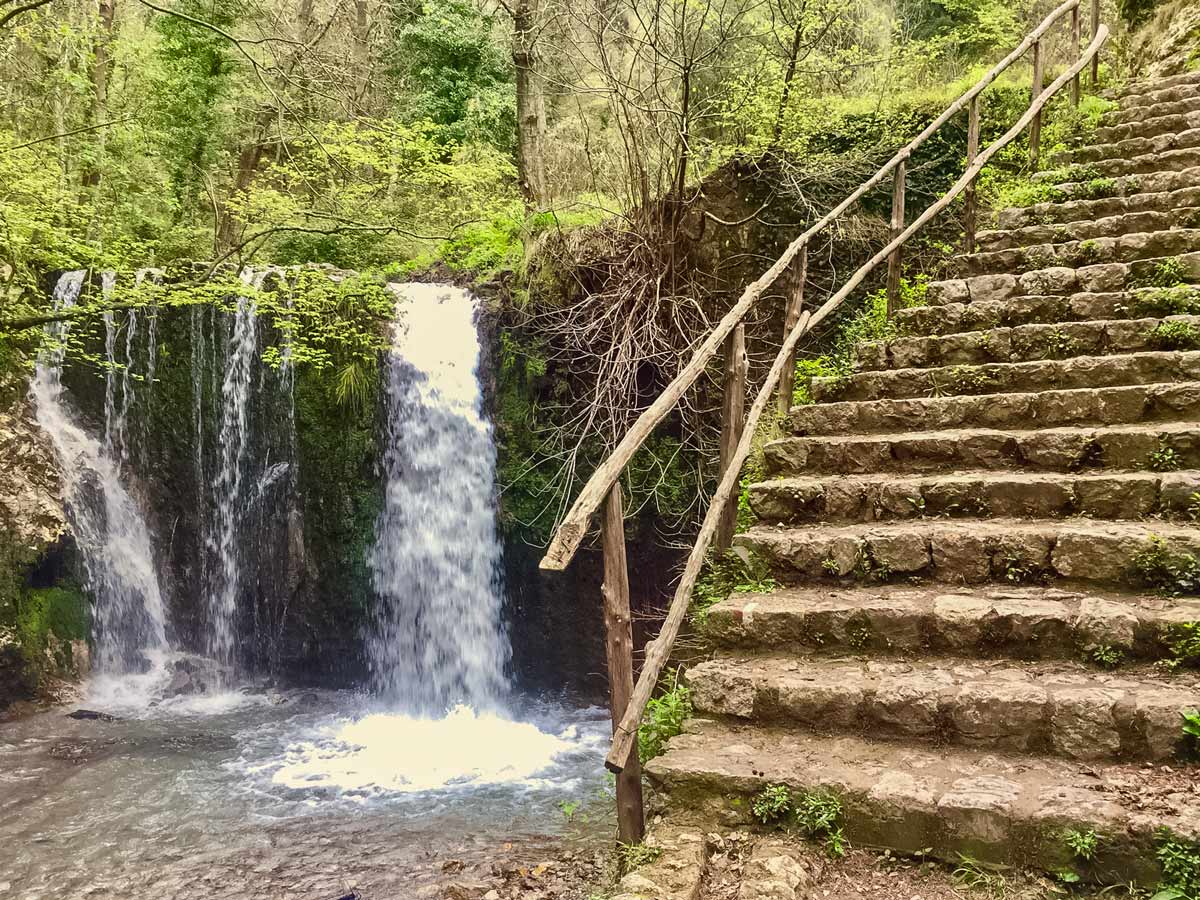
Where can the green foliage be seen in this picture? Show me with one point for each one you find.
(868, 323)
(1167, 273)
(1191, 723)
(1174, 336)
(664, 717)
(62, 612)
(818, 815)
(633, 856)
(1082, 844)
(977, 875)
(1107, 656)
(1180, 863)
(1136, 12)
(1159, 566)
(1183, 643)
(1164, 459)
(772, 804)
(1172, 301)
(733, 572)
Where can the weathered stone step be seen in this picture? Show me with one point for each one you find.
(979, 494)
(1031, 342)
(981, 623)
(1144, 142)
(1161, 199)
(970, 552)
(1178, 160)
(1079, 372)
(938, 802)
(1115, 226)
(1152, 106)
(1043, 449)
(1046, 408)
(1154, 181)
(1173, 123)
(1142, 87)
(1059, 280)
(1022, 310)
(1125, 248)
(1059, 708)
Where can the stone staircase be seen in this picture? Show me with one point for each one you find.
(968, 533)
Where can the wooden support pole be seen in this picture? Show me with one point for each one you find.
(970, 203)
(1035, 127)
(1076, 35)
(791, 317)
(618, 644)
(733, 418)
(1095, 31)
(893, 278)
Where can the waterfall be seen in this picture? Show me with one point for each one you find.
(227, 486)
(437, 639)
(113, 539)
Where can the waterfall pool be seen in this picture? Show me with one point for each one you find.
(304, 794)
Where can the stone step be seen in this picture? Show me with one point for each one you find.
(1129, 223)
(1154, 181)
(1142, 87)
(1022, 310)
(1179, 160)
(981, 623)
(1168, 102)
(1124, 248)
(1143, 142)
(977, 494)
(1059, 708)
(1163, 196)
(938, 802)
(1031, 342)
(972, 552)
(1059, 280)
(1073, 373)
(1042, 449)
(1172, 123)
(1124, 405)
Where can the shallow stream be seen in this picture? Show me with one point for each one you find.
(307, 794)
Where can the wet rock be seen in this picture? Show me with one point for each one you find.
(91, 714)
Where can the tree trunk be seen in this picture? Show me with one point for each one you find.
(777, 133)
(531, 108)
(100, 65)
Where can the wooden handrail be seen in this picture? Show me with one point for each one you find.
(571, 531)
(625, 736)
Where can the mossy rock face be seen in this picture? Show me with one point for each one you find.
(44, 636)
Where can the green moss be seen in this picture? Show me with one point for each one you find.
(62, 612)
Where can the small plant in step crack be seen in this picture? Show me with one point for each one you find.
(568, 808)
(1180, 300)
(1174, 336)
(1180, 864)
(1193, 506)
(1082, 844)
(1183, 645)
(1085, 254)
(1106, 656)
(818, 814)
(1165, 459)
(772, 805)
(969, 380)
(1098, 189)
(1166, 273)
(831, 566)
(1059, 345)
(1037, 258)
(1018, 571)
(665, 715)
(858, 638)
(736, 571)
(1171, 571)
(634, 856)
(971, 873)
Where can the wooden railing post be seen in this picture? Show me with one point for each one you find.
(791, 317)
(893, 279)
(1035, 127)
(1076, 35)
(1095, 31)
(970, 204)
(733, 416)
(618, 643)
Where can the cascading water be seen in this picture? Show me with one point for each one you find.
(112, 537)
(228, 484)
(438, 640)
